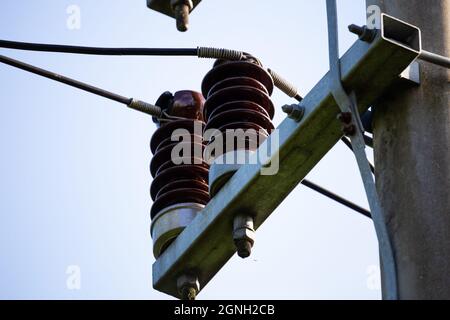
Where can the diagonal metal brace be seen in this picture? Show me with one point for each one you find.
(349, 107)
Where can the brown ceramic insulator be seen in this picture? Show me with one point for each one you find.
(238, 97)
(168, 157)
(167, 190)
(175, 182)
(163, 136)
(187, 104)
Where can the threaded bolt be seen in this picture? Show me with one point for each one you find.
(358, 30)
(188, 293)
(364, 33)
(244, 248)
(188, 286)
(348, 127)
(181, 10)
(182, 16)
(294, 111)
(287, 108)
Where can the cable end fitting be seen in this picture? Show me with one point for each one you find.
(145, 107)
(284, 85)
(220, 53)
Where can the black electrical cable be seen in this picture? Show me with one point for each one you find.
(369, 141)
(98, 51)
(200, 52)
(336, 198)
(65, 80)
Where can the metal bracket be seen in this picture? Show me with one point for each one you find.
(435, 59)
(354, 128)
(411, 75)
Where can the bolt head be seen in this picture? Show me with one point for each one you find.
(365, 34)
(349, 130)
(287, 108)
(345, 117)
(244, 248)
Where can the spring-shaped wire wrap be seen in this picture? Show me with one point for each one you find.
(145, 108)
(238, 97)
(283, 84)
(220, 53)
(176, 183)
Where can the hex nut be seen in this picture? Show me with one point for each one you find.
(244, 235)
(188, 3)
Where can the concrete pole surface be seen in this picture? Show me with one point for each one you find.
(412, 156)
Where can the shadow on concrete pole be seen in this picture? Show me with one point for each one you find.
(412, 155)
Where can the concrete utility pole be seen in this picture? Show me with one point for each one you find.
(412, 156)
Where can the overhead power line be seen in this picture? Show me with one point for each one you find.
(97, 50)
(200, 52)
(130, 102)
(336, 198)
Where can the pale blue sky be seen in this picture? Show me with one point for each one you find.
(74, 178)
